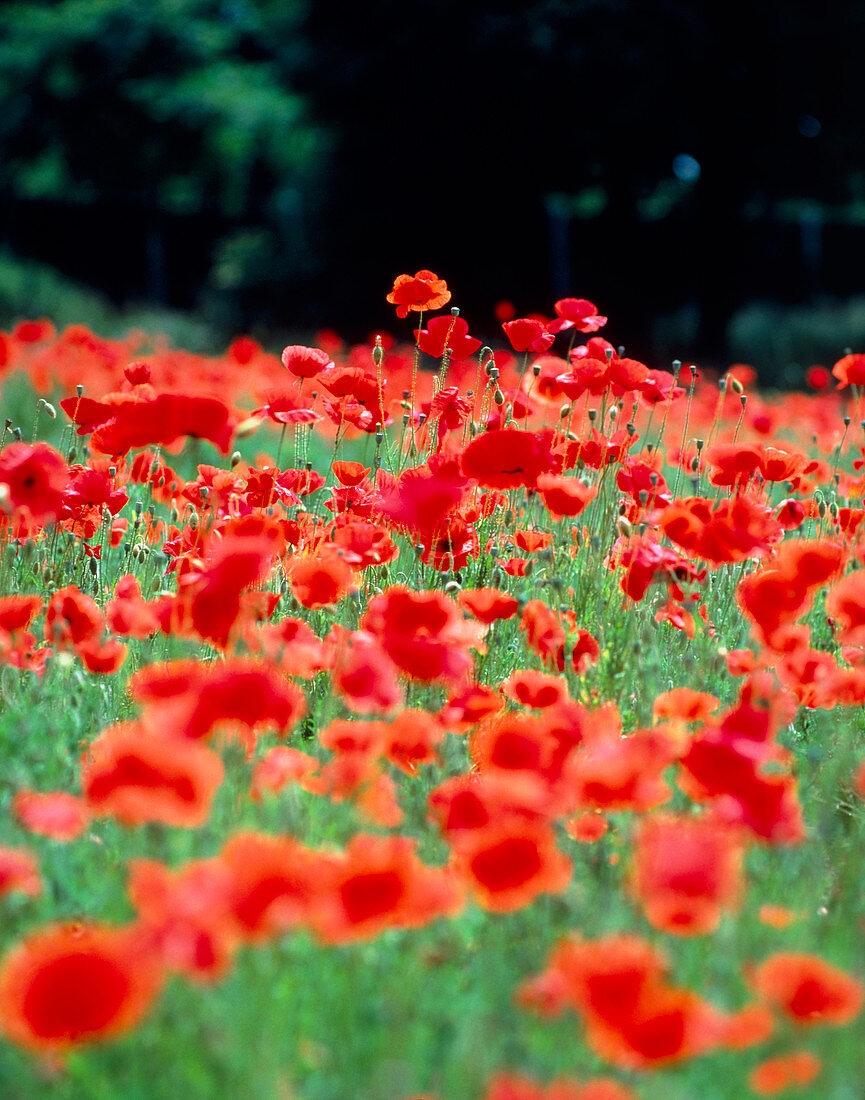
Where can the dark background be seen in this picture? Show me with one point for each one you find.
(696, 170)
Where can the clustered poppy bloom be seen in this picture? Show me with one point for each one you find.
(548, 761)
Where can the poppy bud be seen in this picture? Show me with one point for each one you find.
(593, 415)
(624, 526)
(736, 386)
(48, 407)
(377, 352)
(452, 586)
(536, 369)
(566, 411)
(236, 457)
(499, 398)
(73, 454)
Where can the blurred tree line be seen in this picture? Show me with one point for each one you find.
(277, 162)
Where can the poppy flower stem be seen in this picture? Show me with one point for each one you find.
(685, 431)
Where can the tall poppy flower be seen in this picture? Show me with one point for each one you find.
(70, 984)
(418, 293)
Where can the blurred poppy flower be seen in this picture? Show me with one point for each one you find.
(55, 814)
(137, 777)
(35, 478)
(807, 989)
(66, 985)
(447, 332)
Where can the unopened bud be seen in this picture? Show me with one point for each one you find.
(452, 586)
(50, 411)
(236, 458)
(499, 398)
(624, 526)
(736, 386)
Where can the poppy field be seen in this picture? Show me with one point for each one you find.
(428, 720)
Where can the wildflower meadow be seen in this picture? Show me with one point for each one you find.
(428, 720)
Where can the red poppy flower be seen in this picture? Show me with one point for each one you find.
(72, 984)
(418, 293)
(274, 881)
(850, 371)
(544, 633)
(305, 362)
(775, 1075)
(287, 408)
(488, 604)
(576, 313)
(138, 777)
(508, 458)
(538, 690)
(526, 334)
(320, 579)
(241, 696)
(278, 767)
(424, 634)
(450, 332)
(565, 496)
(19, 872)
(687, 870)
(364, 676)
(508, 866)
(18, 612)
(633, 1017)
(807, 989)
(56, 814)
(185, 914)
(380, 883)
(162, 419)
(586, 652)
(424, 497)
(35, 478)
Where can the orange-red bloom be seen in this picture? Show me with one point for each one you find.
(72, 984)
(807, 989)
(418, 293)
(687, 870)
(776, 1075)
(138, 777)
